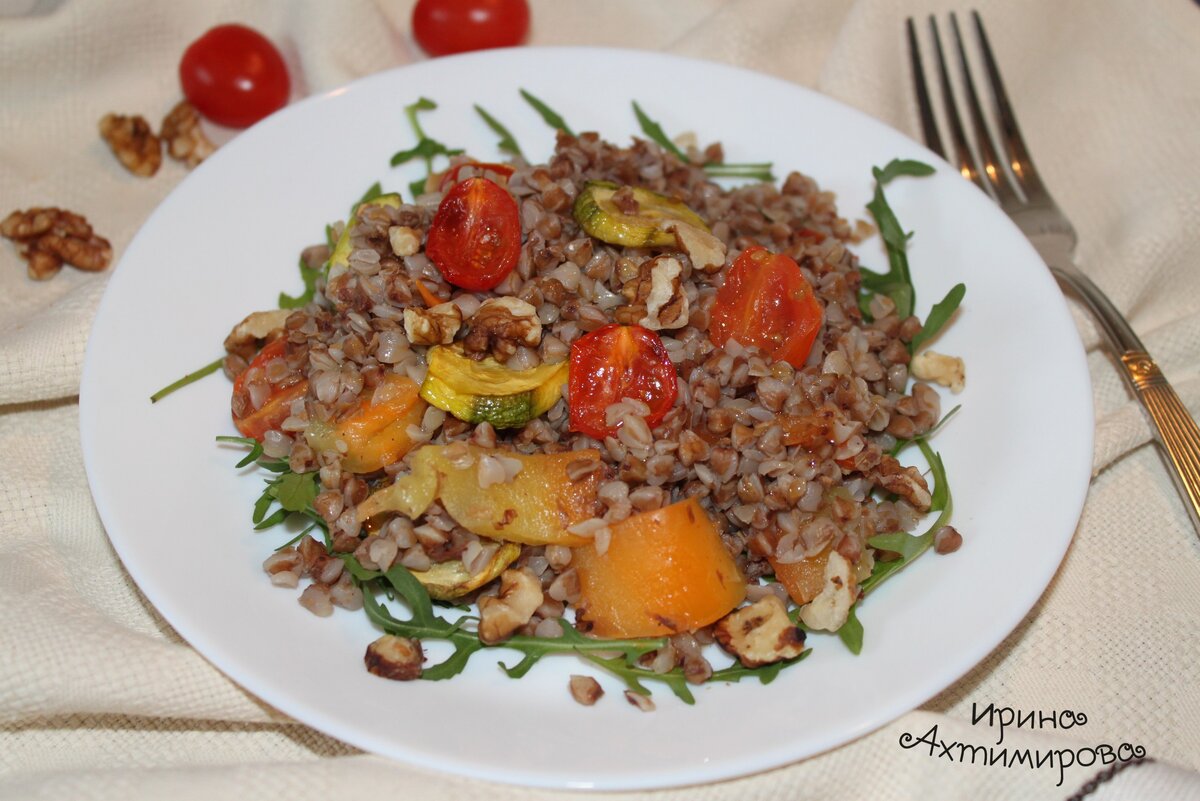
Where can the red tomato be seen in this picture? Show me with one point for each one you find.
(277, 408)
(234, 76)
(615, 362)
(451, 176)
(442, 27)
(475, 236)
(766, 301)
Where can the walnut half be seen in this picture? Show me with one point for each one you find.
(49, 237)
(185, 138)
(520, 596)
(500, 326)
(436, 325)
(133, 143)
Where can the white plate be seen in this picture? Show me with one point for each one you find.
(227, 241)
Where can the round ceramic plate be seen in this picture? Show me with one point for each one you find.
(227, 241)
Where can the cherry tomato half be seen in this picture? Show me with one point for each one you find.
(475, 236)
(766, 301)
(442, 27)
(615, 362)
(450, 176)
(278, 405)
(234, 76)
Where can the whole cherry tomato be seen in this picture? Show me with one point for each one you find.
(615, 362)
(234, 76)
(766, 301)
(442, 27)
(278, 405)
(475, 236)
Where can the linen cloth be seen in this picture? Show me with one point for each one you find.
(100, 699)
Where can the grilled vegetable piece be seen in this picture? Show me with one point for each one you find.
(376, 432)
(651, 225)
(664, 572)
(446, 581)
(535, 505)
(487, 391)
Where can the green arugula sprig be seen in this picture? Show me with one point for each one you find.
(897, 283)
(548, 115)
(507, 143)
(425, 149)
(285, 494)
(907, 546)
(424, 624)
(755, 171)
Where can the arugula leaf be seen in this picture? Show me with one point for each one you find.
(549, 115)
(653, 130)
(898, 167)
(190, 378)
(426, 149)
(759, 171)
(939, 315)
(507, 143)
(896, 283)
(309, 275)
(851, 632)
(910, 546)
(295, 491)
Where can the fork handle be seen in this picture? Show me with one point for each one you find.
(1177, 430)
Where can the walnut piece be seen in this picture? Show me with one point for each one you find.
(706, 252)
(949, 371)
(654, 295)
(49, 237)
(248, 336)
(666, 303)
(500, 326)
(396, 658)
(760, 633)
(133, 143)
(405, 241)
(520, 596)
(829, 610)
(907, 482)
(185, 138)
(586, 690)
(436, 325)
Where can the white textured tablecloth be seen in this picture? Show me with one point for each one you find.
(100, 699)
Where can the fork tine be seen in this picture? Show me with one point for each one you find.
(929, 127)
(993, 170)
(1019, 160)
(966, 162)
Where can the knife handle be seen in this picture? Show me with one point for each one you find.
(1177, 431)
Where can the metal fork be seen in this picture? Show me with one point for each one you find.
(1023, 197)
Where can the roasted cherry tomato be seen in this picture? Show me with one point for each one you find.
(450, 176)
(234, 76)
(766, 301)
(278, 406)
(442, 27)
(475, 236)
(615, 362)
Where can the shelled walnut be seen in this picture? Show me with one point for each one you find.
(49, 237)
